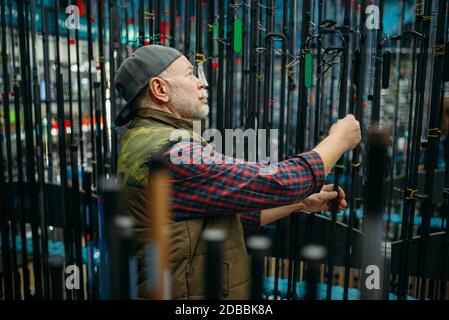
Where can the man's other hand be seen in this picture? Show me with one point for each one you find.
(322, 201)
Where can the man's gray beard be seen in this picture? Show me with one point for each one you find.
(188, 110)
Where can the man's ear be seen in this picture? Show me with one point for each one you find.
(159, 90)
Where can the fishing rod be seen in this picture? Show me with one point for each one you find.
(28, 138)
(66, 213)
(445, 211)
(399, 47)
(25, 52)
(359, 72)
(291, 26)
(4, 225)
(230, 48)
(433, 140)
(20, 181)
(14, 275)
(269, 62)
(114, 51)
(40, 219)
(376, 169)
(173, 24)
(253, 69)
(313, 255)
(375, 115)
(141, 23)
(157, 247)
(214, 239)
(157, 24)
(80, 98)
(318, 84)
(240, 43)
(88, 217)
(212, 27)
(423, 25)
(338, 169)
(113, 245)
(221, 62)
(76, 215)
(258, 247)
(101, 58)
(121, 255)
(149, 15)
(91, 97)
(49, 146)
(69, 78)
(46, 59)
(187, 28)
(302, 106)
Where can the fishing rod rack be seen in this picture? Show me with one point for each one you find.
(296, 66)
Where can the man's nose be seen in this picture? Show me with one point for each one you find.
(202, 84)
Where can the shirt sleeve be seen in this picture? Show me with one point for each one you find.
(205, 182)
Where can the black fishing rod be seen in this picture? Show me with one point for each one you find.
(173, 24)
(56, 266)
(80, 98)
(230, 47)
(445, 211)
(423, 26)
(46, 62)
(214, 238)
(267, 105)
(90, 53)
(20, 179)
(253, 69)
(290, 25)
(396, 116)
(101, 58)
(157, 38)
(258, 247)
(62, 152)
(69, 79)
(318, 85)
(29, 158)
(359, 75)
(76, 215)
(312, 255)
(88, 221)
(9, 268)
(433, 141)
(301, 128)
(375, 115)
(243, 54)
(23, 28)
(141, 23)
(338, 169)
(212, 27)
(221, 63)
(149, 15)
(376, 169)
(40, 219)
(114, 52)
(4, 225)
(187, 28)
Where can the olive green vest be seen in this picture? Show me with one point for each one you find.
(147, 133)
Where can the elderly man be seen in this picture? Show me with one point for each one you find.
(163, 94)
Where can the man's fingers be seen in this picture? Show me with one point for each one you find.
(328, 195)
(341, 192)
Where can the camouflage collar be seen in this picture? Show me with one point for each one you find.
(165, 118)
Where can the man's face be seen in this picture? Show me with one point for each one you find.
(188, 94)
